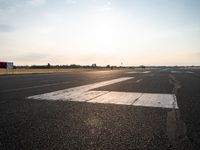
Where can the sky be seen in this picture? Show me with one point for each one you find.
(114, 32)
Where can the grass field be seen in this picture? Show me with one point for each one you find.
(38, 71)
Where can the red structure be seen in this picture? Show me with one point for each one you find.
(6, 65)
(3, 65)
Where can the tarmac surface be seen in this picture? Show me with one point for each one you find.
(29, 123)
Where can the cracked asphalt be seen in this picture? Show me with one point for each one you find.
(43, 124)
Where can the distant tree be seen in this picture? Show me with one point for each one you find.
(75, 66)
(48, 65)
(108, 66)
(142, 66)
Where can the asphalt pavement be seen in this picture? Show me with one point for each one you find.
(54, 123)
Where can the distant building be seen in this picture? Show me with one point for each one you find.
(6, 65)
(94, 65)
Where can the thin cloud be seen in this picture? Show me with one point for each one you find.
(36, 2)
(13, 5)
(33, 57)
(6, 28)
(109, 3)
(107, 7)
(71, 1)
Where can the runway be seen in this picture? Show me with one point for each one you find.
(120, 109)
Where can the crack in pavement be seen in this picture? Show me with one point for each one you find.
(137, 99)
(176, 128)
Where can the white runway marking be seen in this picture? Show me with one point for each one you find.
(133, 72)
(139, 80)
(189, 72)
(83, 93)
(77, 91)
(157, 100)
(175, 71)
(146, 72)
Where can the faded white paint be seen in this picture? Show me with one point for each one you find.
(125, 98)
(72, 93)
(189, 72)
(139, 80)
(157, 100)
(84, 94)
(175, 71)
(146, 72)
(133, 72)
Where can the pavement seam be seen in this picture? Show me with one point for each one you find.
(97, 96)
(176, 128)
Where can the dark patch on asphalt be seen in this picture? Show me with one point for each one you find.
(188, 98)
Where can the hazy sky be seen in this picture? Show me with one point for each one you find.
(148, 32)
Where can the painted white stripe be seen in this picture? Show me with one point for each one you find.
(175, 71)
(146, 72)
(139, 80)
(157, 100)
(138, 99)
(125, 98)
(133, 72)
(189, 72)
(71, 92)
(83, 94)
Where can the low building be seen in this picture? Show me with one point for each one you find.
(6, 65)
(94, 65)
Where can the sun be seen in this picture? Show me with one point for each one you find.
(103, 30)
